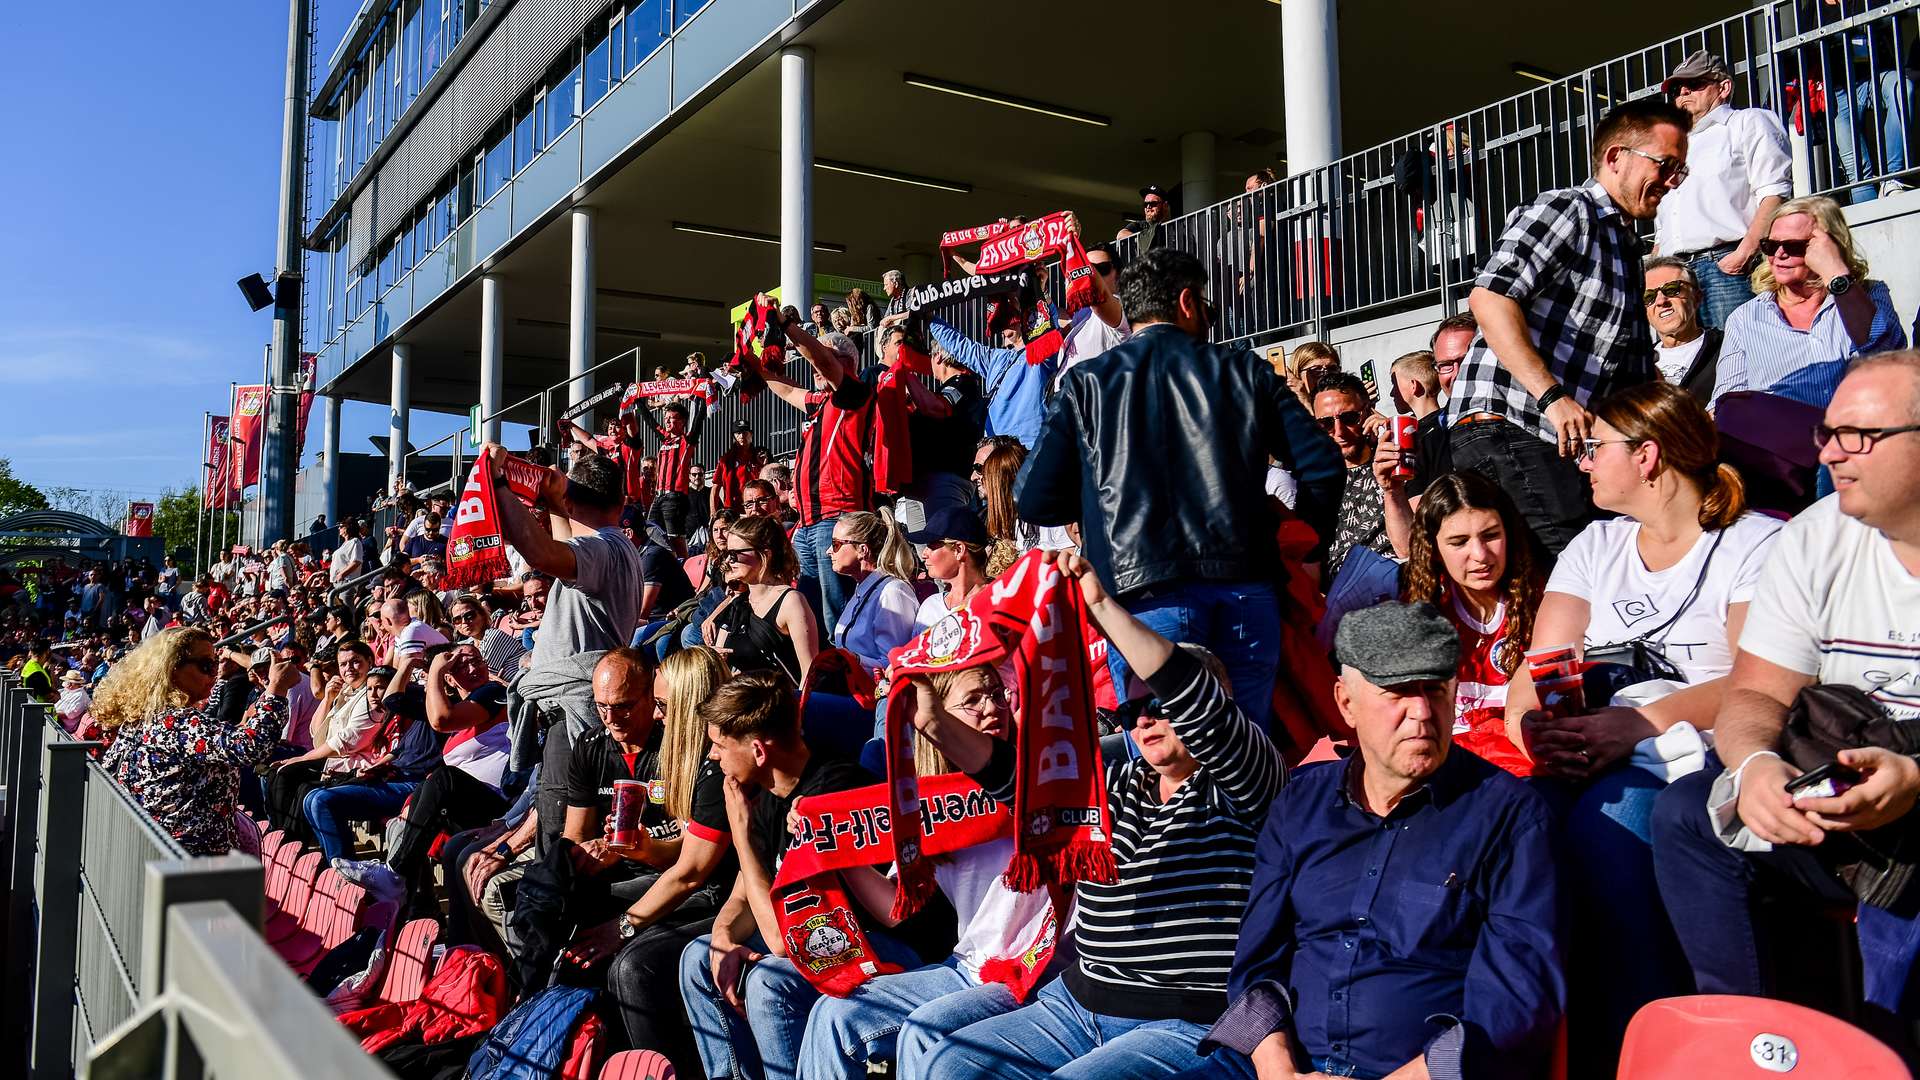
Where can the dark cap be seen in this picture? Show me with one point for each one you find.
(1698, 65)
(741, 427)
(1395, 643)
(1154, 189)
(951, 523)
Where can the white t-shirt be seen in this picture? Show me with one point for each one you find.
(1626, 600)
(415, 637)
(1674, 363)
(483, 757)
(1835, 603)
(994, 921)
(932, 610)
(1087, 337)
(349, 552)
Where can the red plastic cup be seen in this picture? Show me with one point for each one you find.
(629, 798)
(1541, 661)
(1403, 428)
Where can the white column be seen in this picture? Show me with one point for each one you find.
(1197, 171)
(580, 318)
(330, 458)
(1310, 62)
(493, 357)
(399, 406)
(796, 177)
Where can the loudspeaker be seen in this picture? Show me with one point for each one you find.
(254, 288)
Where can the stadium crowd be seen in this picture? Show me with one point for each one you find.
(1435, 730)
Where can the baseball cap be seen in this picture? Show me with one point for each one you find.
(262, 655)
(951, 523)
(1699, 64)
(741, 427)
(1154, 189)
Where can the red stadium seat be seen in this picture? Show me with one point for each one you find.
(1726, 1037)
(272, 846)
(637, 1065)
(407, 966)
(293, 905)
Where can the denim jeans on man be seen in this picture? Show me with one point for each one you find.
(896, 1018)
(1056, 1036)
(333, 810)
(825, 590)
(1239, 622)
(1709, 890)
(1857, 143)
(1720, 292)
(1549, 490)
(1225, 1064)
(766, 1043)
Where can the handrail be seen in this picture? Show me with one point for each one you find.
(333, 594)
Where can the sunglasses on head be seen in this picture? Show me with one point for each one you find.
(1350, 418)
(1795, 249)
(1674, 289)
(1130, 713)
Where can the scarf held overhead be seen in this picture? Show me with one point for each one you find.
(1032, 617)
(476, 553)
(1003, 247)
(666, 388)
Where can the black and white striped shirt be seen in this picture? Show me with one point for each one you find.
(1158, 943)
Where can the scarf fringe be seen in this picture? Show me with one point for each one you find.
(910, 893)
(1016, 976)
(484, 569)
(841, 981)
(1081, 860)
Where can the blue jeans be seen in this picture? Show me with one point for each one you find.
(1239, 622)
(1224, 1064)
(1854, 136)
(1720, 292)
(1709, 889)
(1056, 1036)
(824, 589)
(333, 810)
(872, 1023)
(766, 1042)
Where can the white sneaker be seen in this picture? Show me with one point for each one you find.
(372, 875)
(1890, 187)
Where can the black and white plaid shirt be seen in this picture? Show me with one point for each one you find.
(1571, 260)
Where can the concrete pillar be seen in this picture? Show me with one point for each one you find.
(330, 458)
(1310, 61)
(493, 357)
(399, 406)
(580, 318)
(1197, 169)
(796, 177)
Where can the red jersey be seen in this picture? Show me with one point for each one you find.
(1480, 694)
(834, 474)
(671, 461)
(731, 473)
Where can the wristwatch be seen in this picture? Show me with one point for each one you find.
(1839, 284)
(627, 929)
(503, 852)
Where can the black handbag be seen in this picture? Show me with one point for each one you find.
(1826, 718)
(1612, 668)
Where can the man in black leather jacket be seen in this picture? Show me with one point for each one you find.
(1158, 448)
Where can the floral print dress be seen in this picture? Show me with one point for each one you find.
(183, 766)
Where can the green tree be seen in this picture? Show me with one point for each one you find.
(16, 495)
(178, 522)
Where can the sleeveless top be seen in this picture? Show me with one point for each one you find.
(757, 641)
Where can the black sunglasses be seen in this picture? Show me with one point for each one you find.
(1130, 713)
(1350, 418)
(1674, 289)
(206, 664)
(978, 469)
(728, 555)
(1796, 249)
(1102, 268)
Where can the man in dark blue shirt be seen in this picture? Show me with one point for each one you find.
(1404, 919)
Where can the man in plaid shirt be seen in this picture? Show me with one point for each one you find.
(1561, 320)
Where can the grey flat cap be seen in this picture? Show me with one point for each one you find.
(1394, 643)
(1698, 65)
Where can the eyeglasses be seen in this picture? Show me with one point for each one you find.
(978, 469)
(728, 555)
(463, 616)
(836, 543)
(1588, 446)
(1103, 268)
(1446, 365)
(1673, 289)
(1795, 249)
(1350, 418)
(762, 500)
(613, 708)
(1671, 168)
(1130, 713)
(1857, 440)
(207, 665)
(1692, 86)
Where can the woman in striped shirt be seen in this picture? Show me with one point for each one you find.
(1153, 948)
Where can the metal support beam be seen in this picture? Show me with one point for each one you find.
(281, 454)
(493, 359)
(1197, 168)
(330, 458)
(1310, 63)
(400, 406)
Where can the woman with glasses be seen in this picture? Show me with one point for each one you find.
(1662, 588)
(766, 625)
(183, 767)
(880, 615)
(996, 465)
(346, 747)
(953, 548)
(1813, 310)
(473, 625)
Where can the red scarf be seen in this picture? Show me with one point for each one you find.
(893, 445)
(702, 388)
(1006, 247)
(1032, 616)
(753, 350)
(476, 554)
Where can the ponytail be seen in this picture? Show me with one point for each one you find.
(1725, 498)
(896, 553)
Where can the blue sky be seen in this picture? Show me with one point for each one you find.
(140, 184)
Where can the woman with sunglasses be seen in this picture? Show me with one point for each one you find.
(1671, 578)
(953, 548)
(766, 625)
(1813, 309)
(880, 615)
(996, 465)
(345, 747)
(473, 625)
(181, 765)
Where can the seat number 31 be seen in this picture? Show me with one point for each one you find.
(1774, 1053)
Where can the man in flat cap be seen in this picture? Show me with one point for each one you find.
(1404, 919)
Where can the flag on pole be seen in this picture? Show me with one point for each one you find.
(218, 492)
(139, 519)
(249, 409)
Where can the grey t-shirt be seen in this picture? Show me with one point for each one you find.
(597, 610)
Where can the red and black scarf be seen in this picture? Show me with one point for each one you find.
(476, 554)
(1003, 247)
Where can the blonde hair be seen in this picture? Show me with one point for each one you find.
(140, 687)
(1826, 214)
(692, 675)
(927, 758)
(423, 605)
(892, 552)
(1310, 350)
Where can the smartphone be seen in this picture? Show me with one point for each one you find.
(1367, 379)
(1823, 782)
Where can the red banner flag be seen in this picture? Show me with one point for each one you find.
(218, 491)
(139, 519)
(309, 368)
(249, 409)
